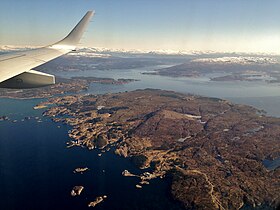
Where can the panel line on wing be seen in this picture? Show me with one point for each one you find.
(12, 57)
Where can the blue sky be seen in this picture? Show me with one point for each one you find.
(218, 25)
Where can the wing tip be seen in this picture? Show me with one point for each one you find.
(73, 38)
(90, 13)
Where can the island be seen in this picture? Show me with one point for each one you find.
(77, 190)
(226, 68)
(4, 118)
(80, 170)
(97, 200)
(211, 149)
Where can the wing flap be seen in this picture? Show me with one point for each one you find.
(27, 61)
(30, 79)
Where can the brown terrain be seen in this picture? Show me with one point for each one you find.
(212, 149)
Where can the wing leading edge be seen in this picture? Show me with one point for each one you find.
(16, 68)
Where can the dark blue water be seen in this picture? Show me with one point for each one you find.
(36, 169)
(272, 164)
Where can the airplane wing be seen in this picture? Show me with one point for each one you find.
(16, 69)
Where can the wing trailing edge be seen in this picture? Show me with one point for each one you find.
(30, 79)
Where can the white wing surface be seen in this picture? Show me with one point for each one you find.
(16, 68)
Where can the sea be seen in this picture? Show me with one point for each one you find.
(36, 168)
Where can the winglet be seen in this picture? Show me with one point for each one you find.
(74, 37)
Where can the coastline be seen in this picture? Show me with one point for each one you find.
(131, 146)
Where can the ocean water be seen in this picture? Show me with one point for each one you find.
(270, 104)
(37, 169)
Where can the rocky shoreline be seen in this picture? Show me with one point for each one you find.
(213, 149)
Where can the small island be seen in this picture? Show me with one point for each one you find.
(4, 118)
(80, 170)
(77, 190)
(97, 201)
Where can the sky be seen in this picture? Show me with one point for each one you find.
(180, 25)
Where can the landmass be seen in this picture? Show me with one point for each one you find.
(62, 86)
(249, 77)
(212, 149)
(237, 68)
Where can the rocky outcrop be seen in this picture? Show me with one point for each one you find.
(80, 170)
(97, 201)
(77, 190)
(101, 141)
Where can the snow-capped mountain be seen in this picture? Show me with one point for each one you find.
(103, 52)
(238, 60)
